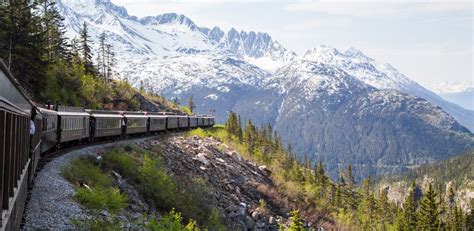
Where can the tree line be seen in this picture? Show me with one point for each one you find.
(351, 204)
(34, 46)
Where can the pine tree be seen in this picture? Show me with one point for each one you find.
(350, 177)
(409, 217)
(385, 214)
(239, 131)
(367, 205)
(191, 104)
(55, 46)
(86, 49)
(101, 57)
(22, 46)
(111, 61)
(231, 123)
(428, 215)
(296, 222)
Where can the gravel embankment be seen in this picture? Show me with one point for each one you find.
(50, 206)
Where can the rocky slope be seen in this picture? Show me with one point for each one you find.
(237, 187)
(457, 172)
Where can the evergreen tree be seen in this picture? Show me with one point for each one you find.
(350, 176)
(101, 57)
(191, 104)
(22, 46)
(86, 49)
(54, 31)
(428, 215)
(409, 217)
(367, 205)
(231, 124)
(296, 222)
(239, 132)
(110, 60)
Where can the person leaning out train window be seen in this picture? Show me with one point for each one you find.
(32, 122)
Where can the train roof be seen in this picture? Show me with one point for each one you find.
(106, 115)
(48, 111)
(67, 113)
(134, 112)
(90, 111)
(135, 116)
(12, 91)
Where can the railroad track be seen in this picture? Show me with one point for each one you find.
(55, 153)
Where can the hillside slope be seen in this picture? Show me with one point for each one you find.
(456, 172)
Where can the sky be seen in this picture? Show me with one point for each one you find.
(429, 41)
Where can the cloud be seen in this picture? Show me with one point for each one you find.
(377, 7)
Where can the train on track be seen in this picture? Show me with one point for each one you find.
(21, 147)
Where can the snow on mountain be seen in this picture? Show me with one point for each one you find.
(167, 35)
(384, 76)
(339, 119)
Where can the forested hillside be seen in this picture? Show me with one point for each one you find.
(459, 170)
(52, 67)
(351, 204)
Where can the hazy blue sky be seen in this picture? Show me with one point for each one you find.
(430, 41)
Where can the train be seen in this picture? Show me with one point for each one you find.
(62, 125)
(55, 127)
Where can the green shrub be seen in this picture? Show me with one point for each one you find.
(121, 162)
(155, 184)
(172, 222)
(296, 222)
(101, 199)
(214, 222)
(83, 171)
(198, 132)
(128, 148)
(193, 200)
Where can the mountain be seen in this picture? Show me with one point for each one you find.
(463, 98)
(385, 76)
(342, 120)
(167, 35)
(339, 107)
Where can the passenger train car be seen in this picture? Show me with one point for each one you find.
(56, 126)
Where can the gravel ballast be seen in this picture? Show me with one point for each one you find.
(51, 206)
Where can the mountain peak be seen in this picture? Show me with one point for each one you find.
(321, 53)
(354, 52)
(169, 18)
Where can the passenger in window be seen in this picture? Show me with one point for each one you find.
(32, 122)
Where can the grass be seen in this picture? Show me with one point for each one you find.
(83, 171)
(99, 199)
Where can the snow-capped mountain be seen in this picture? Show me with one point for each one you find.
(167, 35)
(384, 76)
(327, 104)
(340, 119)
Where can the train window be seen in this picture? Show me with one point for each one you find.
(136, 122)
(105, 123)
(159, 121)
